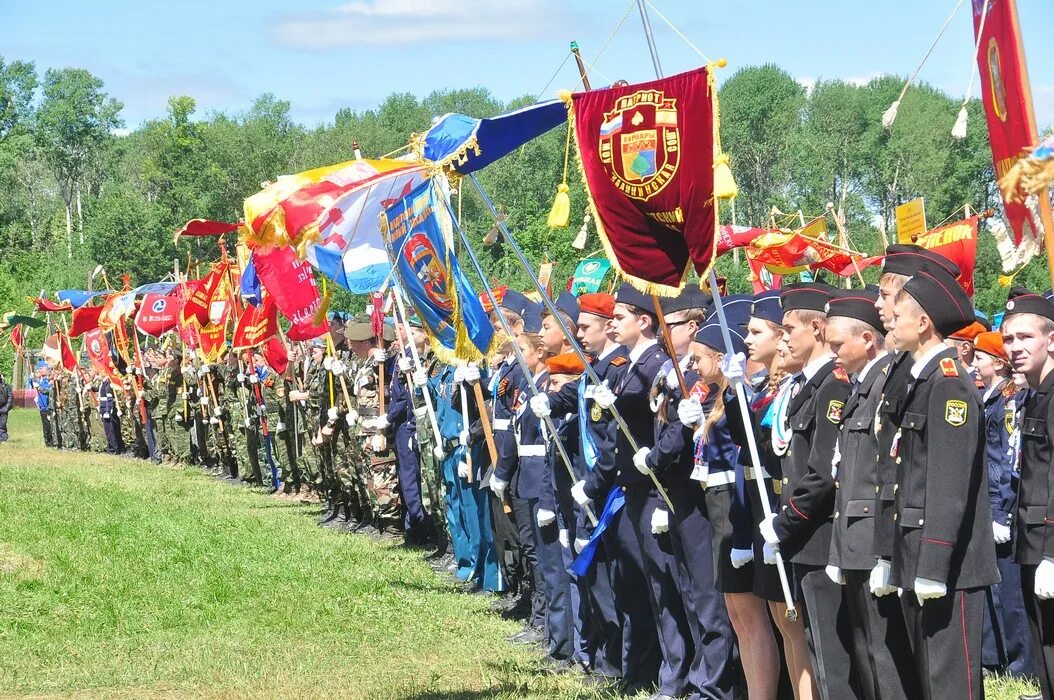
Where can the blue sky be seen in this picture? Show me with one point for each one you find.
(322, 55)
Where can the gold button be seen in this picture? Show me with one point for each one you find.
(786, 480)
(920, 521)
(894, 517)
(866, 509)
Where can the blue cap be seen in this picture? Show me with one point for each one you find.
(737, 313)
(568, 303)
(767, 307)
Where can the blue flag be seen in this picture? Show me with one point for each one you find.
(77, 297)
(250, 288)
(418, 228)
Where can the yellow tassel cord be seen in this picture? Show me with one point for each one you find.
(560, 214)
(643, 285)
(725, 186)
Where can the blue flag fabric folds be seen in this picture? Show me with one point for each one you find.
(250, 287)
(581, 564)
(162, 288)
(467, 144)
(77, 297)
(418, 228)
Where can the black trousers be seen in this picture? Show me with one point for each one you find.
(946, 642)
(881, 650)
(828, 633)
(1041, 626)
(45, 424)
(3, 426)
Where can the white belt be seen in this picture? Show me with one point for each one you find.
(531, 450)
(502, 423)
(751, 473)
(720, 478)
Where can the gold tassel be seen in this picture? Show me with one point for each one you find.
(560, 214)
(724, 184)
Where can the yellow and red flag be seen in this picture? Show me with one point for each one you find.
(788, 253)
(257, 324)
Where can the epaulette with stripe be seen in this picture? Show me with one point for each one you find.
(841, 375)
(503, 386)
(619, 360)
(948, 368)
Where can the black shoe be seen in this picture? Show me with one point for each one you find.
(531, 635)
(330, 515)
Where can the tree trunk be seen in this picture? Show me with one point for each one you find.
(69, 229)
(80, 216)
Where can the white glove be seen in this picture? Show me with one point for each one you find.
(327, 362)
(204, 401)
(734, 366)
(338, 368)
(106, 416)
(580, 544)
(879, 579)
(261, 409)
(564, 538)
(218, 411)
(671, 377)
(835, 574)
(241, 377)
(462, 438)
(381, 422)
(689, 411)
(254, 378)
(377, 355)
(378, 443)
(205, 369)
(462, 469)
(540, 405)
(498, 486)
(332, 414)
(459, 374)
(214, 421)
(189, 372)
(603, 396)
(578, 492)
(1045, 579)
(545, 517)
(640, 461)
(438, 452)
(768, 531)
(140, 395)
(741, 557)
(768, 552)
(280, 426)
(927, 589)
(470, 373)
(419, 377)
(660, 521)
(248, 422)
(404, 364)
(1001, 532)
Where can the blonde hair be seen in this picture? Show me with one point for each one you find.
(717, 410)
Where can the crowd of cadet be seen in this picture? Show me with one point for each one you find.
(846, 496)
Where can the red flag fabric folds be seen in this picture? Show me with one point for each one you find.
(648, 158)
(85, 319)
(257, 324)
(275, 353)
(289, 281)
(45, 305)
(787, 253)
(730, 237)
(199, 297)
(159, 313)
(98, 349)
(206, 227)
(307, 330)
(958, 243)
(58, 353)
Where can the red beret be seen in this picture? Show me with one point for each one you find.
(991, 342)
(970, 332)
(598, 304)
(567, 363)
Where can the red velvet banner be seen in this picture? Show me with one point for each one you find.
(958, 243)
(1006, 96)
(98, 349)
(648, 156)
(257, 324)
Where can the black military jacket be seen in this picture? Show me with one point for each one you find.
(1035, 500)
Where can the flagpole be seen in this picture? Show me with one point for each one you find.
(737, 383)
(532, 387)
(572, 341)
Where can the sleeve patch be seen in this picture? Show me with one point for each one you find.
(948, 368)
(834, 411)
(618, 361)
(955, 412)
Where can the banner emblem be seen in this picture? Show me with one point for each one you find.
(640, 143)
(421, 255)
(159, 305)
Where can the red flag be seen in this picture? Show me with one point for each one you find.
(730, 237)
(199, 297)
(257, 324)
(377, 314)
(289, 280)
(648, 156)
(206, 227)
(958, 243)
(212, 338)
(159, 313)
(45, 305)
(761, 278)
(275, 353)
(98, 350)
(85, 319)
(58, 353)
(17, 338)
(1007, 100)
(787, 253)
(307, 330)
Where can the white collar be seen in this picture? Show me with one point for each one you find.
(641, 348)
(810, 370)
(870, 363)
(920, 364)
(612, 347)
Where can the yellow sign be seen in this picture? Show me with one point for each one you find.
(911, 220)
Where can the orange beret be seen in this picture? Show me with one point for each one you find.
(991, 342)
(567, 363)
(968, 333)
(598, 304)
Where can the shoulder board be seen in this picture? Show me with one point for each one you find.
(618, 360)
(503, 386)
(1009, 389)
(841, 375)
(948, 368)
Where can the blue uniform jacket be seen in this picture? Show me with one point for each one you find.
(531, 472)
(999, 416)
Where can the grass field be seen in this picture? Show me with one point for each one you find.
(122, 579)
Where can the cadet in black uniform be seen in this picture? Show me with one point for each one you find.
(1028, 337)
(943, 551)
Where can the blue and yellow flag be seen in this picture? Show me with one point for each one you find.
(418, 232)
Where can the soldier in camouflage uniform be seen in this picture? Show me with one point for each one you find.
(244, 416)
(176, 409)
(153, 394)
(271, 394)
(291, 427)
(221, 439)
(321, 413)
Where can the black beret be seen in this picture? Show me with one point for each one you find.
(691, 297)
(907, 259)
(858, 304)
(630, 295)
(941, 297)
(767, 306)
(808, 296)
(1024, 301)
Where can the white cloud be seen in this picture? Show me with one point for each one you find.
(412, 21)
(809, 82)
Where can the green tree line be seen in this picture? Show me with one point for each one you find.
(78, 189)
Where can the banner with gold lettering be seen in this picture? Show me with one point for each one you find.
(647, 154)
(1007, 100)
(257, 324)
(958, 243)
